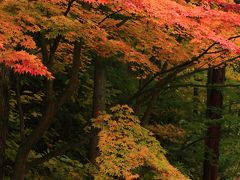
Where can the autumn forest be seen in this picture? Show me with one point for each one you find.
(119, 89)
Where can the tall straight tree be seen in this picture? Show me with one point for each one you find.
(99, 99)
(214, 111)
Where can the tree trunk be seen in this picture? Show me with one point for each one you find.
(214, 111)
(195, 100)
(3, 116)
(137, 106)
(196, 93)
(99, 99)
(20, 109)
(147, 114)
(30, 141)
(154, 97)
(48, 116)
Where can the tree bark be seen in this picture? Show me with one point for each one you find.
(30, 141)
(99, 99)
(20, 109)
(214, 111)
(147, 114)
(195, 100)
(4, 107)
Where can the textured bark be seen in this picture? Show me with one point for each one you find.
(214, 111)
(3, 116)
(99, 99)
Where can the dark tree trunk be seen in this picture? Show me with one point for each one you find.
(4, 87)
(30, 141)
(147, 114)
(196, 93)
(20, 109)
(154, 97)
(48, 116)
(195, 100)
(137, 106)
(99, 100)
(99, 96)
(214, 111)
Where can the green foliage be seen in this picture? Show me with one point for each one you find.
(60, 168)
(230, 147)
(125, 146)
(132, 48)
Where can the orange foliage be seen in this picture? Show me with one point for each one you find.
(168, 30)
(125, 146)
(12, 36)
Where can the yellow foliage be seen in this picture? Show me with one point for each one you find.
(125, 147)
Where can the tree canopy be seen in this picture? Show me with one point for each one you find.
(119, 89)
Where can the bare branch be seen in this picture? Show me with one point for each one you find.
(57, 152)
(73, 82)
(109, 16)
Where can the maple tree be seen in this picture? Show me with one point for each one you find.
(13, 37)
(161, 41)
(125, 146)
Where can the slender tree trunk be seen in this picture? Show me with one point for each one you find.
(48, 117)
(29, 142)
(20, 109)
(3, 116)
(214, 111)
(154, 98)
(195, 100)
(137, 106)
(196, 97)
(99, 100)
(147, 114)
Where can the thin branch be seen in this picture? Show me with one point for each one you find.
(109, 16)
(73, 82)
(69, 7)
(57, 40)
(57, 152)
(158, 87)
(192, 143)
(234, 37)
(181, 66)
(215, 52)
(204, 86)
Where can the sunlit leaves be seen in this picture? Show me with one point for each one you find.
(13, 37)
(22, 62)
